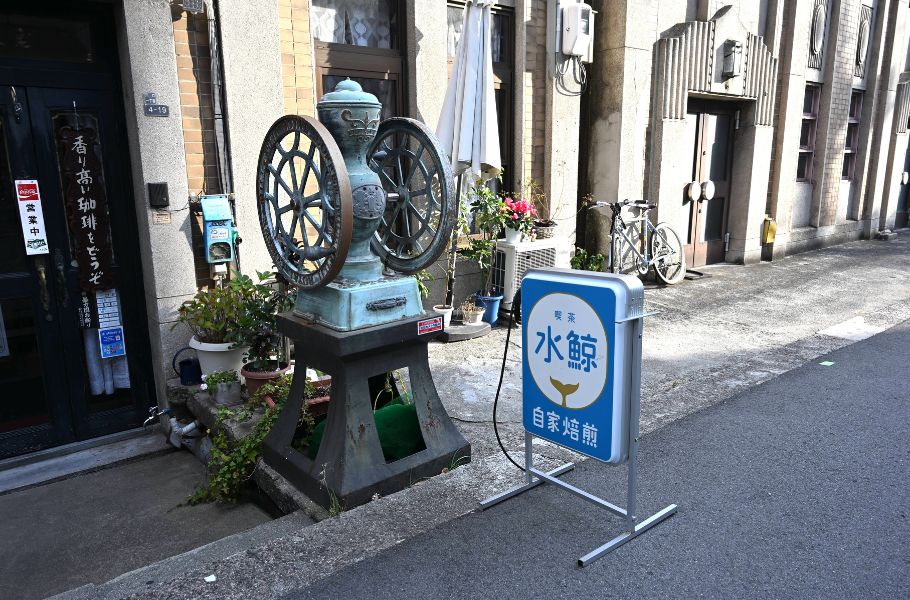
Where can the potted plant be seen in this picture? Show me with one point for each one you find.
(265, 360)
(214, 315)
(582, 261)
(489, 212)
(423, 277)
(471, 314)
(223, 386)
(519, 219)
(544, 217)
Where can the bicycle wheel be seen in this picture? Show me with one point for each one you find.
(622, 256)
(668, 258)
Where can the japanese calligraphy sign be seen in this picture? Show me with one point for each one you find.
(31, 216)
(85, 197)
(576, 353)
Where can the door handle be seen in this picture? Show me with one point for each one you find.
(41, 269)
(63, 295)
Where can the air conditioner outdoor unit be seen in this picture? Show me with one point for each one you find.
(512, 261)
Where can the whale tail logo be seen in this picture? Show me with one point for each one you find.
(565, 389)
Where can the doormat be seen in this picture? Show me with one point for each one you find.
(693, 275)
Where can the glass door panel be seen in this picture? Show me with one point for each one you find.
(23, 401)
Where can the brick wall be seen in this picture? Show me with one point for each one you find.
(534, 90)
(296, 56)
(194, 74)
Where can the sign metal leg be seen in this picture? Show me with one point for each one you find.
(534, 477)
(531, 481)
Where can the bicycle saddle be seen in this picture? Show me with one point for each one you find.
(641, 204)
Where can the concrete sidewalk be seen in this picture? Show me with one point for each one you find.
(713, 338)
(796, 488)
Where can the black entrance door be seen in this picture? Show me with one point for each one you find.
(74, 352)
(903, 198)
(712, 162)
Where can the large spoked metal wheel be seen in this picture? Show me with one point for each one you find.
(304, 198)
(667, 254)
(420, 210)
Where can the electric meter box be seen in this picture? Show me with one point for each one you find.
(219, 229)
(577, 29)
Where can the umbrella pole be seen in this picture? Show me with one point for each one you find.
(450, 283)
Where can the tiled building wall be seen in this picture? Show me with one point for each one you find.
(535, 91)
(841, 85)
(296, 56)
(194, 74)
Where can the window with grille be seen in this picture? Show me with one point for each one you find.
(807, 133)
(851, 144)
(363, 40)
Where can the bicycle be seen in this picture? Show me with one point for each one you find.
(664, 252)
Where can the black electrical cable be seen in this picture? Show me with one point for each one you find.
(516, 308)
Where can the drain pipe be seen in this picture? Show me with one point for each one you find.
(219, 114)
(181, 434)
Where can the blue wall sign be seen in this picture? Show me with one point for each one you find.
(576, 350)
(112, 342)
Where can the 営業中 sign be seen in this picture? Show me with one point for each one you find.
(31, 216)
(576, 351)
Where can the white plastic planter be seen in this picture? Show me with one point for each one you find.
(446, 312)
(218, 357)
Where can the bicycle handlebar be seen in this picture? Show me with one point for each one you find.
(617, 206)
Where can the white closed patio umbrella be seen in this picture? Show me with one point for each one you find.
(467, 125)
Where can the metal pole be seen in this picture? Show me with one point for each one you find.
(529, 457)
(634, 421)
(453, 250)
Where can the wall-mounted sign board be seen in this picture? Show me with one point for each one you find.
(152, 108)
(31, 216)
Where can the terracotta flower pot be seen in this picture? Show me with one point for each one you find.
(319, 405)
(256, 379)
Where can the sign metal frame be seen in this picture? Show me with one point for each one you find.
(535, 477)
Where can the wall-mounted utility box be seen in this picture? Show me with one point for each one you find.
(218, 222)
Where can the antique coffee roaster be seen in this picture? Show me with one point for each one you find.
(350, 207)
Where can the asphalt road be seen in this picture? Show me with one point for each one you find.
(796, 488)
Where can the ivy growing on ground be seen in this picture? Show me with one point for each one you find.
(232, 463)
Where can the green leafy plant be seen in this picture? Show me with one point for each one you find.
(232, 463)
(422, 278)
(583, 261)
(258, 326)
(489, 212)
(213, 379)
(213, 314)
(279, 388)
